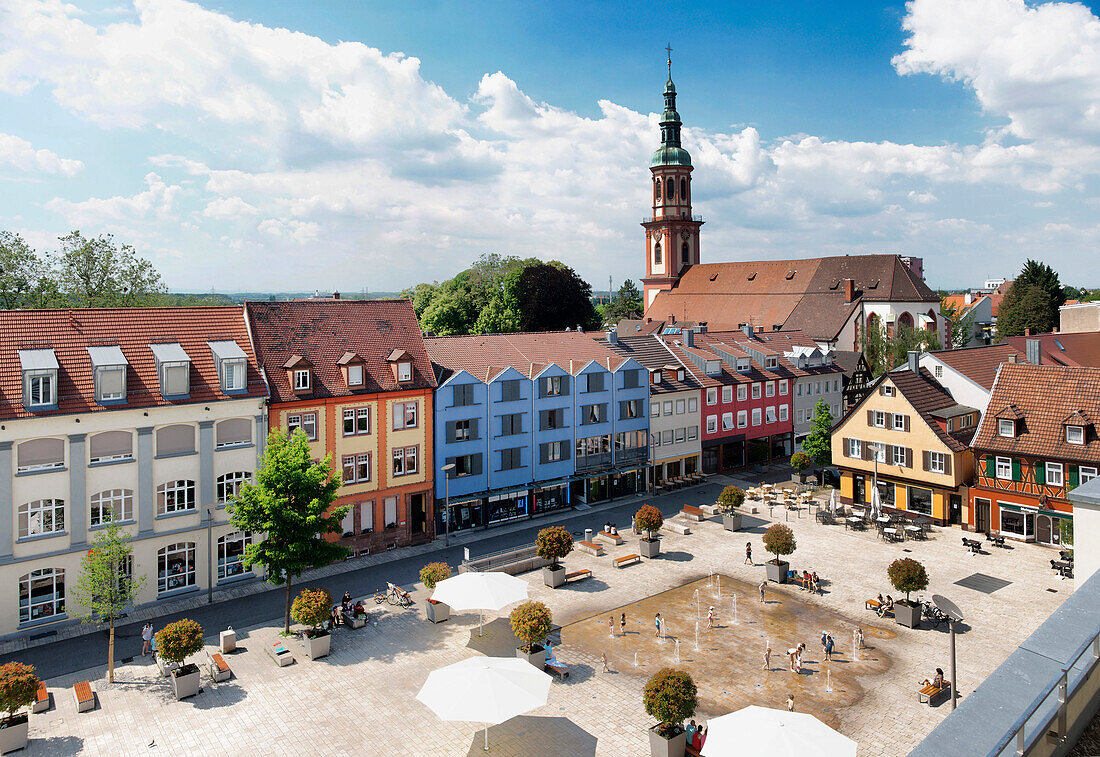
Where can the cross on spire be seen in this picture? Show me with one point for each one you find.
(668, 49)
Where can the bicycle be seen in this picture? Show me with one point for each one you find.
(398, 596)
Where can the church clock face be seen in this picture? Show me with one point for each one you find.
(685, 235)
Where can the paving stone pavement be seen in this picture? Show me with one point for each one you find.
(362, 697)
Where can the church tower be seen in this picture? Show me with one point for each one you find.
(671, 231)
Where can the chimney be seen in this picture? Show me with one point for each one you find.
(649, 320)
(579, 328)
(1012, 358)
(672, 318)
(335, 295)
(968, 299)
(1034, 354)
(746, 329)
(612, 337)
(689, 337)
(914, 361)
(849, 290)
(1027, 331)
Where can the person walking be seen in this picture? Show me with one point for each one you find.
(147, 639)
(790, 703)
(859, 637)
(829, 645)
(763, 586)
(611, 626)
(603, 656)
(767, 658)
(748, 553)
(622, 624)
(710, 617)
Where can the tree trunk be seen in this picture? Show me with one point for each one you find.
(111, 654)
(286, 614)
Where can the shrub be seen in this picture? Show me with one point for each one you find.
(433, 573)
(553, 544)
(671, 697)
(178, 641)
(779, 540)
(648, 519)
(906, 574)
(531, 623)
(800, 461)
(312, 607)
(730, 498)
(18, 687)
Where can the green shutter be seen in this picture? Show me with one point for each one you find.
(1074, 479)
(1040, 472)
(990, 466)
(1017, 475)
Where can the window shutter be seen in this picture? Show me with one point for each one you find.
(890, 420)
(566, 451)
(908, 458)
(1017, 474)
(926, 458)
(1074, 477)
(882, 391)
(474, 422)
(947, 463)
(475, 464)
(845, 449)
(868, 453)
(990, 466)
(870, 417)
(450, 432)
(544, 453)
(559, 416)
(1040, 469)
(906, 418)
(565, 385)
(889, 454)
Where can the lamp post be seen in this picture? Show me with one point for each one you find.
(447, 502)
(954, 615)
(209, 555)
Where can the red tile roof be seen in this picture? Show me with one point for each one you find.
(486, 355)
(927, 395)
(69, 333)
(323, 331)
(1077, 348)
(979, 364)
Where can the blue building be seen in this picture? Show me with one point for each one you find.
(534, 423)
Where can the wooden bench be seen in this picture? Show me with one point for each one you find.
(693, 512)
(85, 697)
(219, 668)
(626, 560)
(683, 529)
(556, 668)
(590, 547)
(278, 652)
(931, 691)
(578, 575)
(872, 604)
(689, 749)
(41, 699)
(613, 539)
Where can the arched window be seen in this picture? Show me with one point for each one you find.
(111, 445)
(230, 553)
(176, 567)
(232, 432)
(175, 497)
(40, 454)
(176, 440)
(229, 485)
(683, 190)
(42, 516)
(905, 320)
(931, 325)
(670, 189)
(685, 254)
(657, 251)
(112, 505)
(658, 190)
(41, 594)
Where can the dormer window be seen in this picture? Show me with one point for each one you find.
(232, 363)
(679, 374)
(404, 371)
(771, 362)
(109, 372)
(39, 379)
(1006, 428)
(173, 369)
(744, 365)
(299, 374)
(355, 375)
(401, 362)
(714, 367)
(352, 366)
(1075, 434)
(301, 380)
(657, 377)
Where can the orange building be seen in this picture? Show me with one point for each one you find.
(354, 376)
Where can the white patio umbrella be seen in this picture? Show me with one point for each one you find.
(876, 506)
(776, 733)
(480, 591)
(832, 502)
(486, 690)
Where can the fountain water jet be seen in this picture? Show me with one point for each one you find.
(677, 649)
(855, 644)
(697, 636)
(719, 587)
(697, 604)
(735, 609)
(828, 681)
(635, 659)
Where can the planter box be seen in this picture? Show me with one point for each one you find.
(554, 577)
(317, 646)
(536, 658)
(906, 615)
(353, 622)
(649, 548)
(166, 668)
(227, 640)
(14, 733)
(436, 612)
(777, 573)
(731, 521)
(185, 681)
(659, 746)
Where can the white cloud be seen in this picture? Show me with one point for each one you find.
(226, 208)
(155, 203)
(18, 152)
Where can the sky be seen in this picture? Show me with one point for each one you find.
(370, 145)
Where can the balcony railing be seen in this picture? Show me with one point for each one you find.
(671, 217)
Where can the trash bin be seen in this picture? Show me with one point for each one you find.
(588, 534)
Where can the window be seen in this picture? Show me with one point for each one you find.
(655, 440)
(899, 422)
(42, 389)
(836, 385)
(769, 415)
(742, 419)
(233, 432)
(301, 380)
(111, 506)
(817, 386)
(176, 440)
(552, 452)
(756, 416)
(1006, 428)
(1054, 474)
(463, 431)
(900, 456)
(855, 448)
(680, 434)
(175, 379)
(233, 373)
(783, 388)
(630, 409)
(1004, 468)
(42, 516)
(355, 375)
(466, 465)
(510, 459)
(176, 567)
(771, 362)
(668, 407)
(681, 407)
(783, 412)
(175, 497)
(110, 383)
(727, 421)
(727, 394)
(231, 553)
(389, 511)
(41, 594)
(712, 424)
(404, 461)
(552, 386)
(693, 404)
(887, 390)
(40, 454)
(878, 419)
(1075, 434)
(920, 501)
(693, 433)
(937, 462)
(229, 485)
(769, 389)
(511, 424)
(631, 379)
(595, 382)
(742, 392)
(404, 371)
(551, 419)
(656, 377)
(306, 422)
(357, 468)
(509, 390)
(756, 391)
(654, 409)
(463, 395)
(938, 371)
(1087, 473)
(593, 414)
(712, 395)
(404, 415)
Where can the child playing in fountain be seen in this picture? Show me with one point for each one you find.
(710, 617)
(657, 624)
(622, 624)
(790, 703)
(763, 586)
(859, 637)
(767, 658)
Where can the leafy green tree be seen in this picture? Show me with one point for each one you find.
(421, 296)
(106, 586)
(26, 280)
(290, 504)
(884, 352)
(553, 297)
(626, 304)
(962, 325)
(18, 688)
(671, 697)
(1026, 307)
(1043, 276)
(97, 273)
(818, 443)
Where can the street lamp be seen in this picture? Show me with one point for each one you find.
(954, 615)
(447, 502)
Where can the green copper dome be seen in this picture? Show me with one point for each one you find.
(670, 153)
(667, 155)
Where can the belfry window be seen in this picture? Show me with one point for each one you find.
(683, 189)
(670, 189)
(684, 253)
(657, 251)
(658, 190)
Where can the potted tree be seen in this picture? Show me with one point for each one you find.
(175, 643)
(729, 500)
(801, 462)
(430, 575)
(779, 540)
(649, 520)
(671, 697)
(908, 575)
(553, 544)
(312, 607)
(532, 623)
(18, 687)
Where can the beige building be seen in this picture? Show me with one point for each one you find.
(151, 418)
(1079, 317)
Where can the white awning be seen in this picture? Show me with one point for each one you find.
(107, 356)
(170, 352)
(38, 360)
(227, 350)
(924, 319)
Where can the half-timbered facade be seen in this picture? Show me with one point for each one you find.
(858, 384)
(1037, 442)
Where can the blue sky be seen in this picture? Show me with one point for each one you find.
(242, 146)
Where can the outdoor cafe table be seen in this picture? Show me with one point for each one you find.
(913, 529)
(860, 513)
(882, 519)
(852, 520)
(890, 531)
